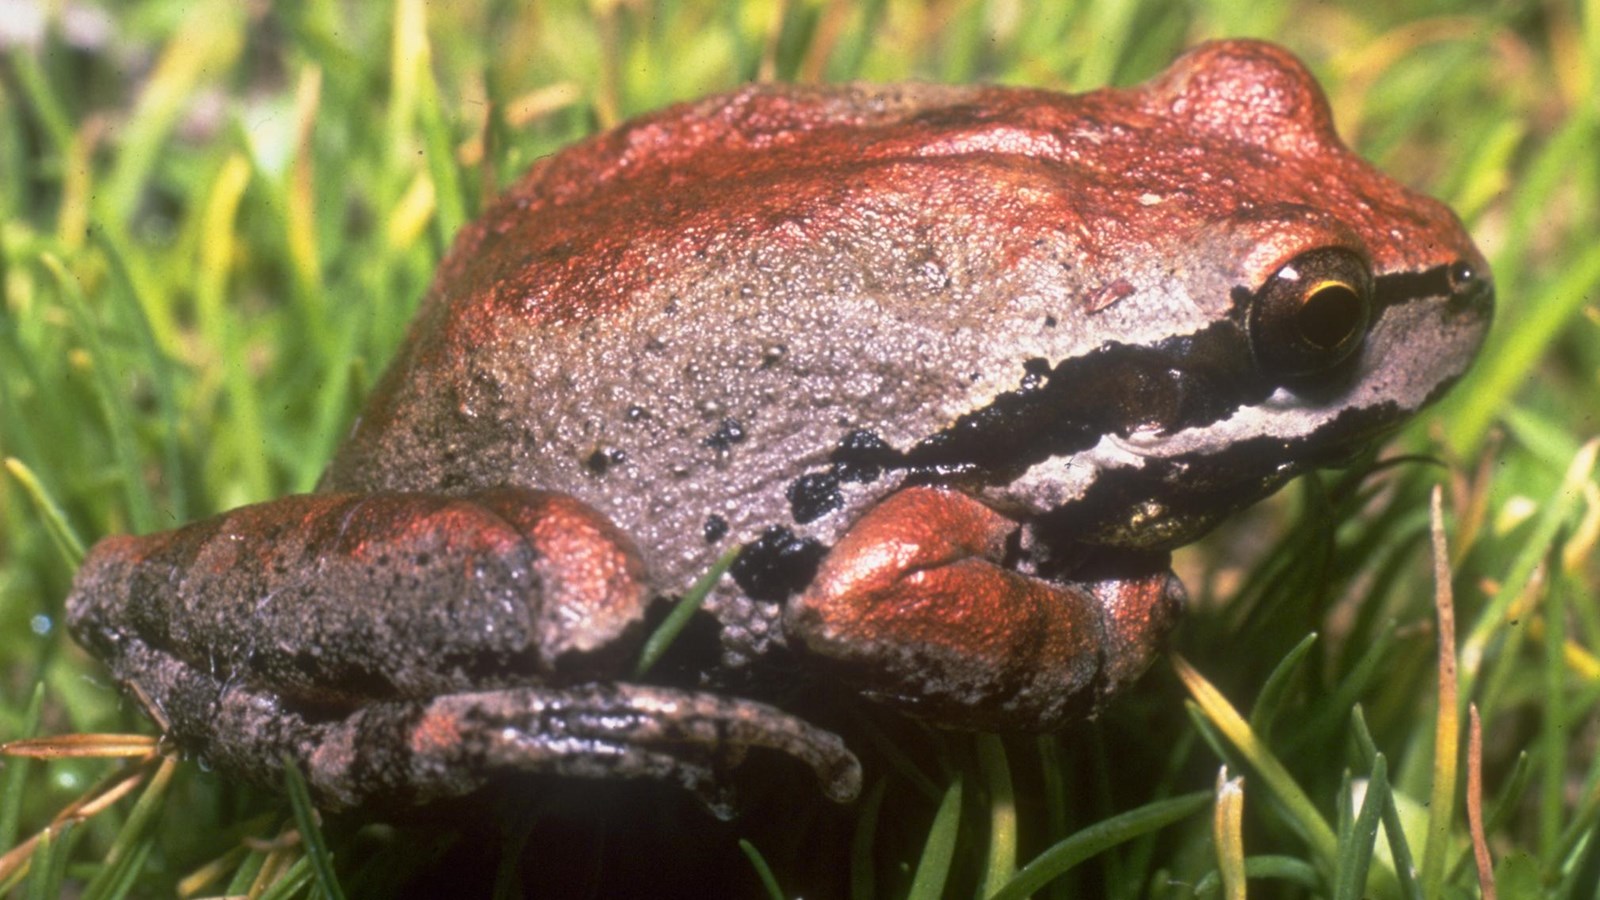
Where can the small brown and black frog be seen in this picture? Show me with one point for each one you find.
(953, 368)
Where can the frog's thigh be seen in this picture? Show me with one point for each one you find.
(914, 605)
(329, 598)
(402, 752)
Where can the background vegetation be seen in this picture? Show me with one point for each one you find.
(215, 218)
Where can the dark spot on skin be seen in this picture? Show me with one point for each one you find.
(772, 355)
(776, 565)
(730, 432)
(1049, 321)
(952, 117)
(1035, 371)
(813, 496)
(716, 528)
(671, 309)
(637, 414)
(601, 460)
(862, 456)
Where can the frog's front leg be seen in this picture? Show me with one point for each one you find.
(916, 606)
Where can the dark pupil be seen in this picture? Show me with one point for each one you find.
(1329, 316)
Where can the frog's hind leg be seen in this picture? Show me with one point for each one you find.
(452, 744)
(401, 752)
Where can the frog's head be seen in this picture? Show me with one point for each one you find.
(1286, 303)
(1319, 352)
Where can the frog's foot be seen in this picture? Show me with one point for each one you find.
(916, 605)
(451, 745)
(400, 752)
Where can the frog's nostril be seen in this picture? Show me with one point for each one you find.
(1463, 276)
(1475, 296)
(1471, 288)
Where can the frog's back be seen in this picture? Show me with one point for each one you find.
(682, 320)
(674, 320)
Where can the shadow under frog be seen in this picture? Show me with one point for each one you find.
(955, 367)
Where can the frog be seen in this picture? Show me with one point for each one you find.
(949, 371)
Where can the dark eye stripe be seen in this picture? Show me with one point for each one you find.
(1400, 287)
(1180, 382)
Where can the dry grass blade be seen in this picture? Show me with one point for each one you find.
(286, 850)
(1447, 727)
(1227, 824)
(82, 746)
(91, 803)
(229, 863)
(1480, 844)
(212, 872)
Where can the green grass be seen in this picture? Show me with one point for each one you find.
(215, 219)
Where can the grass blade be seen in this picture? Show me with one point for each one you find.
(128, 850)
(305, 821)
(17, 774)
(656, 645)
(1097, 838)
(1399, 846)
(1303, 815)
(769, 882)
(863, 872)
(939, 851)
(1269, 702)
(1002, 857)
(1355, 855)
(117, 413)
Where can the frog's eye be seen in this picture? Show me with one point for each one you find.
(1312, 313)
